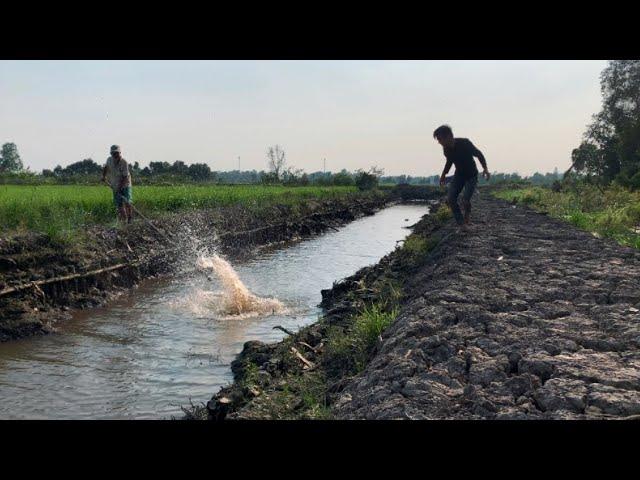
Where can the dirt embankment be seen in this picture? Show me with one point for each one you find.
(522, 317)
(300, 377)
(40, 281)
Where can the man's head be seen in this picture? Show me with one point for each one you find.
(115, 151)
(444, 135)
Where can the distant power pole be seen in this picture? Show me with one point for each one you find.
(324, 165)
(238, 163)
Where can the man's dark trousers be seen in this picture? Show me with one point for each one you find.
(458, 183)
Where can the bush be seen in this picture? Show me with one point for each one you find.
(366, 181)
(370, 324)
(349, 350)
(443, 213)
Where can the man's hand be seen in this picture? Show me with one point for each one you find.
(442, 180)
(486, 174)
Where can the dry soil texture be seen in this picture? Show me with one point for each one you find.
(522, 317)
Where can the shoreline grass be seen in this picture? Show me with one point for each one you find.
(57, 210)
(612, 213)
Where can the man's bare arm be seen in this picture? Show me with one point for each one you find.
(447, 167)
(104, 173)
(477, 153)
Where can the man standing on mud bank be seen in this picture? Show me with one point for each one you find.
(460, 152)
(120, 182)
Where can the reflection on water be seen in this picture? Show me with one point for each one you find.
(152, 350)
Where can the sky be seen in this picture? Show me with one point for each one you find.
(525, 116)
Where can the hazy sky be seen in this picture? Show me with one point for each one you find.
(525, 116)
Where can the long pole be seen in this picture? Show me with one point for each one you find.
(163, 234)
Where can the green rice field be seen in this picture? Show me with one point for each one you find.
(62, 209)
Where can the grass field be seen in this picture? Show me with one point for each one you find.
(614, 213)
(60, 210)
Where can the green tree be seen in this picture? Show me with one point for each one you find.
(368, 180)
(343, 178)
(611, 147)
(84, 167)
(199, 172)
(10, 160)
(589, 159)
(179, 168)
(158, 168)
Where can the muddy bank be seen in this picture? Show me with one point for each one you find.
(301, 376)
(522, 317)
(40, 282)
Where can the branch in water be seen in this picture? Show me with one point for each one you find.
(288, 332)
(307, 364)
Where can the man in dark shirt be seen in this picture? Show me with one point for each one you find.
(460, 152)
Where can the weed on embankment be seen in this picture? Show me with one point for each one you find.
(350, 349)
(611, 213)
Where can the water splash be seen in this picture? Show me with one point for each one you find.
(235, 299)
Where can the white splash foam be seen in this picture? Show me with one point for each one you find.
(235, 299)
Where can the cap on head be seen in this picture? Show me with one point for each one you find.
(115, 148)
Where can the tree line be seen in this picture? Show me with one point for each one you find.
(88, 171)
(496, 178)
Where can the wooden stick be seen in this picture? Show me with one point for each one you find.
(145, 218)
(632, 417)
(306, 362)
(163, 234)
(313, 349)
(288, 332)
(47, 281)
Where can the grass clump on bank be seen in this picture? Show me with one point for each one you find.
(443, 213)
(61, 210)
(611, 213)
(415, 249)
(350, 349)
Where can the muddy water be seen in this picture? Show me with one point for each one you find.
(152, 350)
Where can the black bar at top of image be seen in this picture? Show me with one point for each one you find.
(452, 32)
